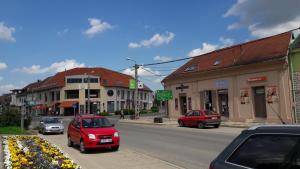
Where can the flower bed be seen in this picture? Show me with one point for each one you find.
(24, 152)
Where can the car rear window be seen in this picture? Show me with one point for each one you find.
(265, 151)
(95, 123)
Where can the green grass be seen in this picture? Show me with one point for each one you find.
(12, 130)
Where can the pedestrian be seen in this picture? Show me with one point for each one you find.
(122, 114)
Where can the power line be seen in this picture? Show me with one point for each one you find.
(187, 58)
(152, 72)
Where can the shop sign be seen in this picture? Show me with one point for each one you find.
(182, 87)
(221, 84)
(257, 79)
(163, 95)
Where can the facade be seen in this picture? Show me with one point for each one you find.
(67, 92)
(294, 61)
(248, 82)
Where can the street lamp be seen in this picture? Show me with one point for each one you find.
(136, 67)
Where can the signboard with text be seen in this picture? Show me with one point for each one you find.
(163, 95)
(132, 84)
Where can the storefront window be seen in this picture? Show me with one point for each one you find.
(176, 104)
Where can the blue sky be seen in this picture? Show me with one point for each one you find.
(40, 38)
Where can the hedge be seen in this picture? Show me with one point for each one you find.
(12, 117)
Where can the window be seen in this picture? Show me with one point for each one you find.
(72, 94)
(95, 123)
(141, 96)
(128, 94)
(265, 151)
(110, 92)
(196, 113)
(45, 96)
(92, 80)
(58, 95)
(122, 94)
(74, 80)
(190, 113)
(176, 103)
(94, 93)
(133, 95)
(52, 96)
(145, 96)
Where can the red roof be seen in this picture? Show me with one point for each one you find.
(108, 78)
(270, 48)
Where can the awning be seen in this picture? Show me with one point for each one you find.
(39, 107)
(68, 104)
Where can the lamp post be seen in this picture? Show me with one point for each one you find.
(136, 67)
(88, 92)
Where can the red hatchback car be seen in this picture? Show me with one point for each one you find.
(200, 119)
(89, 132)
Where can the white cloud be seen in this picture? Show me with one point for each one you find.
(207, 47)
(155, 40)
(158, 80)
(97, 26)
(6, 88)
(3, 65)
(54, 67)
(265, 17)
(65, 31)
(162, 58)
(142, 72)
(6, 32)
(226, 41)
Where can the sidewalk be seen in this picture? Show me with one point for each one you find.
(173, 122)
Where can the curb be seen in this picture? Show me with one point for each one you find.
(163, 124)
(1, 154)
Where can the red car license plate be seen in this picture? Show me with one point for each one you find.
(108, 140)
(214, 118)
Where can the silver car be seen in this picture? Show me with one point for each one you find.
(51, 125)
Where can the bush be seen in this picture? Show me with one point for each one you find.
(104, 114)
(118, 112)
(154, 109)
(144, 111)
(128, 112)
(12, 117)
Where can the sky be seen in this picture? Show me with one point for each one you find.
(39, 38)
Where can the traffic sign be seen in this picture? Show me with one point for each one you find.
(132, 84)
(163, 95)
(74, 106)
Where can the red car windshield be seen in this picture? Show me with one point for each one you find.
(95, 123)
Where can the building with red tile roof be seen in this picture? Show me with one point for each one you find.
(247, 82)
(67, 91)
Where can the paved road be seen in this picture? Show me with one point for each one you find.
(189, 148)
(186, 147)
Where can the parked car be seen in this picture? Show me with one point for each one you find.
(51, 125)
(200, 119)
(262, 147)
(91, 131)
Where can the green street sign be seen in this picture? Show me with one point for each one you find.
(132, 84)
(163, 95)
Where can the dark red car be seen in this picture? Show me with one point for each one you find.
(200, 119)
(89, 132)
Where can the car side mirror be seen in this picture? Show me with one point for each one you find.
(112, 125)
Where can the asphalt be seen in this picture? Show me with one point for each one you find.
(185, 147)
(189, 148)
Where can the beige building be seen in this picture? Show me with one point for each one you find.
(248, 82)
(67, 92)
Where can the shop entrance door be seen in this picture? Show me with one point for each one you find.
(223, 102)
(260, 102)
(183, 105)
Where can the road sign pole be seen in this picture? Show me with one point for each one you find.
(136, 66)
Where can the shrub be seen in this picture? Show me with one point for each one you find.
(12, 117)
(118, 112)
(144, 111)
(104, 114)
(154, 109)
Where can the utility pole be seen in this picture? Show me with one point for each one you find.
(88, 80)
(136, 67)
